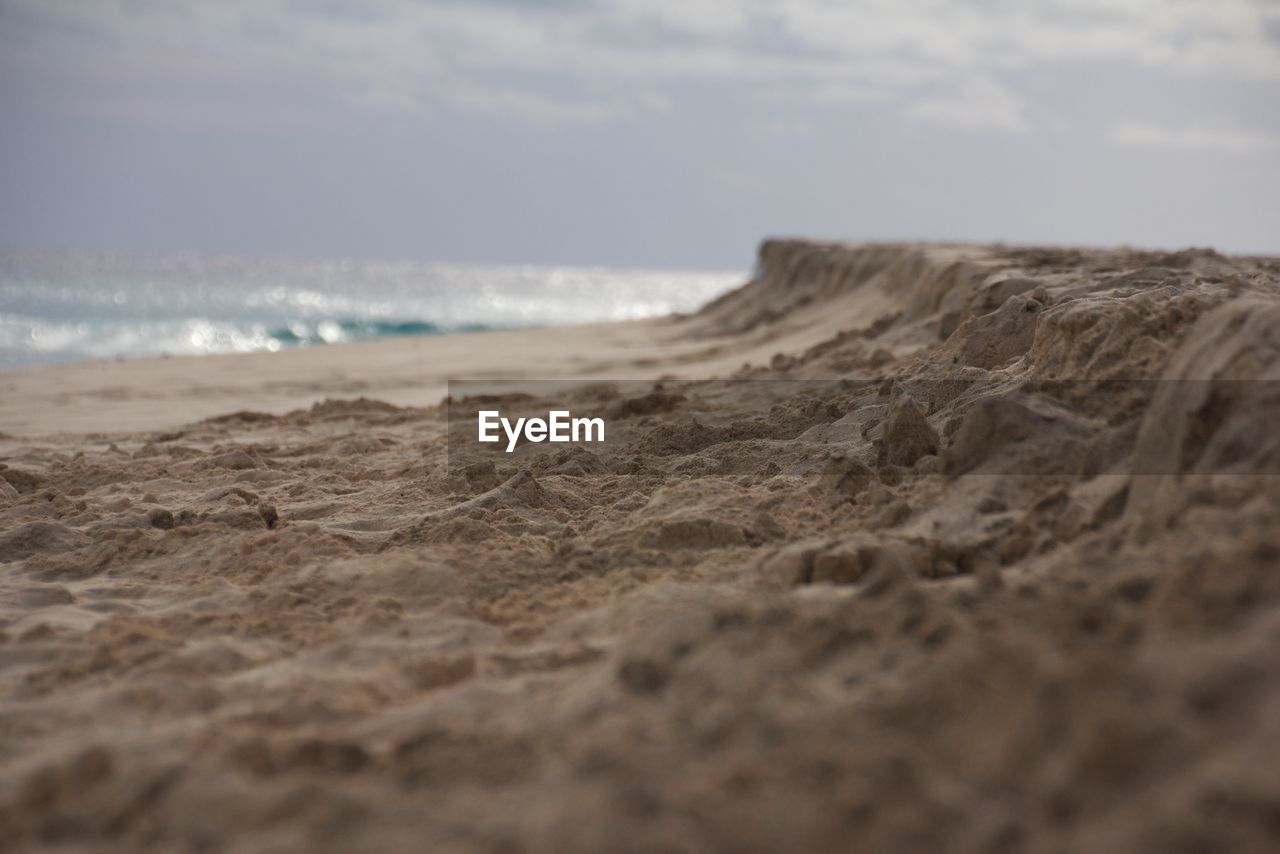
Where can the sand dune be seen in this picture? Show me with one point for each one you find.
(916, 548)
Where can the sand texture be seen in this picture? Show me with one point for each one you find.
(944, 590)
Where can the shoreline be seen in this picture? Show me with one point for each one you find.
(154, 392)
(157, 392)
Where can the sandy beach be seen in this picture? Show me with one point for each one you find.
(936, 591)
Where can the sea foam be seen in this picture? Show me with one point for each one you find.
(66, 306)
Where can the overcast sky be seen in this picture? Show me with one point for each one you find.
(634, 132)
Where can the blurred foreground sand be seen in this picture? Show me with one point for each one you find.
(235, 615)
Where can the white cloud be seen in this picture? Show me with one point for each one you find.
(699, 17)
(548, 112)
(979, 104)
(1144, 135)
(543, 63)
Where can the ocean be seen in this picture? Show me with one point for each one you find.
(69, 306)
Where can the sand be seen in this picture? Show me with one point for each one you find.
(939, 590)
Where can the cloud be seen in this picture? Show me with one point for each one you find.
(546, 112)
(1144, 135)
(948, 62)
(980, 104)
(227, 116)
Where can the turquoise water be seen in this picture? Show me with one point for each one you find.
(67, 306)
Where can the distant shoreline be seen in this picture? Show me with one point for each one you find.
(79, 306)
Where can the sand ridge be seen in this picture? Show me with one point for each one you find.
(889, 583)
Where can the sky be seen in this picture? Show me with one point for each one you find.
(634, 132)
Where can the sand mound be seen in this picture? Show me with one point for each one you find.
(977, 553)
